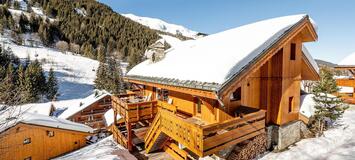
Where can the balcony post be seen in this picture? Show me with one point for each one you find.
(129, 136)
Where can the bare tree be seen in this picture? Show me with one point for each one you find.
(62, 46)
(75, 48)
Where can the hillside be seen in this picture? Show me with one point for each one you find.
(86, 27)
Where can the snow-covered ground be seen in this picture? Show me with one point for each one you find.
(75, 74)
(106, 149)
(337, 143)
(163, 26)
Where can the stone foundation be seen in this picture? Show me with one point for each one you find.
(281, 137)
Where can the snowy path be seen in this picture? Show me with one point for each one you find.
(337, 144)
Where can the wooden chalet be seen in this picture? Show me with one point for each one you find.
(347, 83)
(90, 111)
(31, 136)
(217, 91)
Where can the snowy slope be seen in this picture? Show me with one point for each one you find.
(337, 143)
(75, 74)
(348, 60)
(163, 26)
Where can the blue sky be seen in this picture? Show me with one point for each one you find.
(335, 18)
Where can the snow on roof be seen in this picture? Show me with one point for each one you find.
(41, 120)
(103, 150)
(310, 58)
(218, 57)
(38, 108)
(348, 60)
(343, 77)
(86, 102)
(109, 117)
(344, 89)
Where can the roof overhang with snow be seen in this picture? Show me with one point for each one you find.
(213, 62)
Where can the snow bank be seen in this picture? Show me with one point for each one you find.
(216, 58)
(84, 103)
(106, 149)
(163, 26)
(109, 117)
(307, 105)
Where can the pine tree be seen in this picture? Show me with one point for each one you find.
(328, 107)
(52, 85)
(101, 76)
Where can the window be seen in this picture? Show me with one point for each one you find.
(27, 141)
(293, 51)
(236, 95)
(28, 158)
(163, 94)
(290, 104)
(50, 133)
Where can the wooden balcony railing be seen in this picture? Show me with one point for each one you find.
(208, 139)
(118, 136)
(134, 110)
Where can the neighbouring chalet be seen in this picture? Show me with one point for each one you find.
(32, 136)
(212, 93)
(90, 110)
(347, 83)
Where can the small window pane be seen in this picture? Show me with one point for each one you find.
(237, 94)
(50, 133)
(27, 141)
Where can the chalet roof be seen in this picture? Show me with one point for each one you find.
(13, 119)
(210, 62)
(84, 103)
(348, 61)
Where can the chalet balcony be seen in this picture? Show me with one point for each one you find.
(133, 107)
(201, 138)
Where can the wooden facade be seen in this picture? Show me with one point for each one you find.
(347, 82)
(34, 142)
(189, 123)
(93, 115)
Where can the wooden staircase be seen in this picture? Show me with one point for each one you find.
(174, 151)
(155, 138)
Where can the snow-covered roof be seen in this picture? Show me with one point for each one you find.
(105, 149)
(38, 108)
(216, 58)
(86, 102)
(41, 120)
(348, 60)
(109, 117)
(310, 58)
